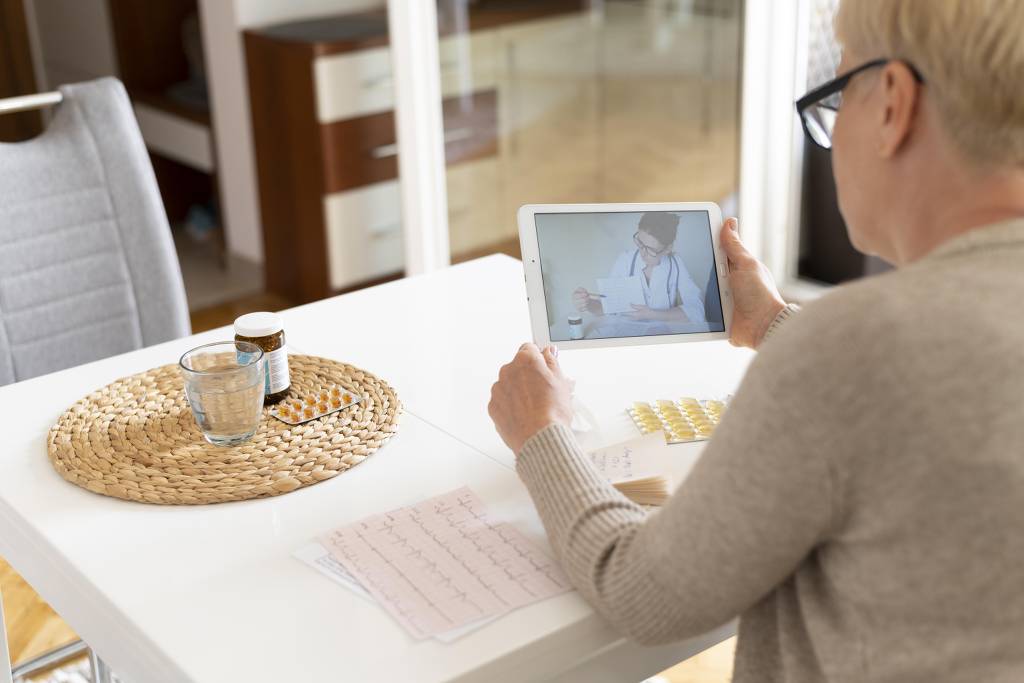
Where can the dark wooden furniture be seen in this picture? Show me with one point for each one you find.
(327, 161)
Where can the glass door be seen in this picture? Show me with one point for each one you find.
(584, 101)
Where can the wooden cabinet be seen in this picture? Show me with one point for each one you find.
(322, 107)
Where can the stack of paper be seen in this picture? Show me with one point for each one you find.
(441, 567)
(638, 468)
(620, 294)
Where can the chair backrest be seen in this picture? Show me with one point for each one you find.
(87, 264)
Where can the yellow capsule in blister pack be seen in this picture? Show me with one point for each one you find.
(686, 419)
(680, 437)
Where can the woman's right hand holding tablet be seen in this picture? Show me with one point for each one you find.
(756, 298)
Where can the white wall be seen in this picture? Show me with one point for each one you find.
(75, 40)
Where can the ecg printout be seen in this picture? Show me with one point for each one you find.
(319, 558)
(442, 563)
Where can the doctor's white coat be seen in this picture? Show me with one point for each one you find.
(670, 284)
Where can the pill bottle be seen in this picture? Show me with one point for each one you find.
(266, 331)
(575, 327)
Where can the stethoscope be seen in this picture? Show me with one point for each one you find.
(668, 282)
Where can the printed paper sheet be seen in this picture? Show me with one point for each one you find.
(319, 558)
(620, 293)
(442, 564)
(646, 456)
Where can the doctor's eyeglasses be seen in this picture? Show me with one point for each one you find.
(650, 251)
(818, 108)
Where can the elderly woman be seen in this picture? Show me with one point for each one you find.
(861, 506)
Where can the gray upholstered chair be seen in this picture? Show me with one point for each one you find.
(87, 264)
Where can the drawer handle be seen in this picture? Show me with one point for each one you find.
(385, 231)
(377, 81)
(385, 79)
(391, 150)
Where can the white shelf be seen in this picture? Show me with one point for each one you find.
(176, 137)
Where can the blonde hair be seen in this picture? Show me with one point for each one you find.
(971, 54)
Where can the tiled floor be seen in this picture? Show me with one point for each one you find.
(212, 279)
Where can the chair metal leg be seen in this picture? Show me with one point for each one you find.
(100, 670)
(50, 659)
(6, 675)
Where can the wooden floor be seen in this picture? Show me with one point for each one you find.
(32, 626)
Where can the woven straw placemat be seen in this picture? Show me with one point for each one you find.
(136, 439)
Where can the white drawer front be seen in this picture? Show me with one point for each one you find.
(364, 233)
(176, 137)
(353, 84)
(360, 83)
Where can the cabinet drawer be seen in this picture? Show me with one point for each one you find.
(362, 151)
(364, 226)
(356, 84)
(364, 234)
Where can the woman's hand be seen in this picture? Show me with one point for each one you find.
(755, 297)
(584, 302)
(530, 394)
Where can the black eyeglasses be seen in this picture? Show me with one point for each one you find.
(818, 108)
(650, 251)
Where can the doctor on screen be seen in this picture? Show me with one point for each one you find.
(670, 294)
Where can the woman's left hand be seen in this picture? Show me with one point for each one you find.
(530, 394)
(643, 313)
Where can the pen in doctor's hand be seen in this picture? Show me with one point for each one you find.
(597, 296)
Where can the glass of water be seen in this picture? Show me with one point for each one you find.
(224, 386)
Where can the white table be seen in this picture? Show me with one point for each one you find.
(212, 594)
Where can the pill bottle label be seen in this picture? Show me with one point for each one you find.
(277, 371)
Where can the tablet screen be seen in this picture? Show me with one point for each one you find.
(628, 274)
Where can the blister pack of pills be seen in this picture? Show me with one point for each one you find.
(330, 399)
(682, 421)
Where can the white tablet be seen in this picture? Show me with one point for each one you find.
(625, 274)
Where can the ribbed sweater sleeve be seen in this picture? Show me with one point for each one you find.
(753, 506)
(785, 314)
